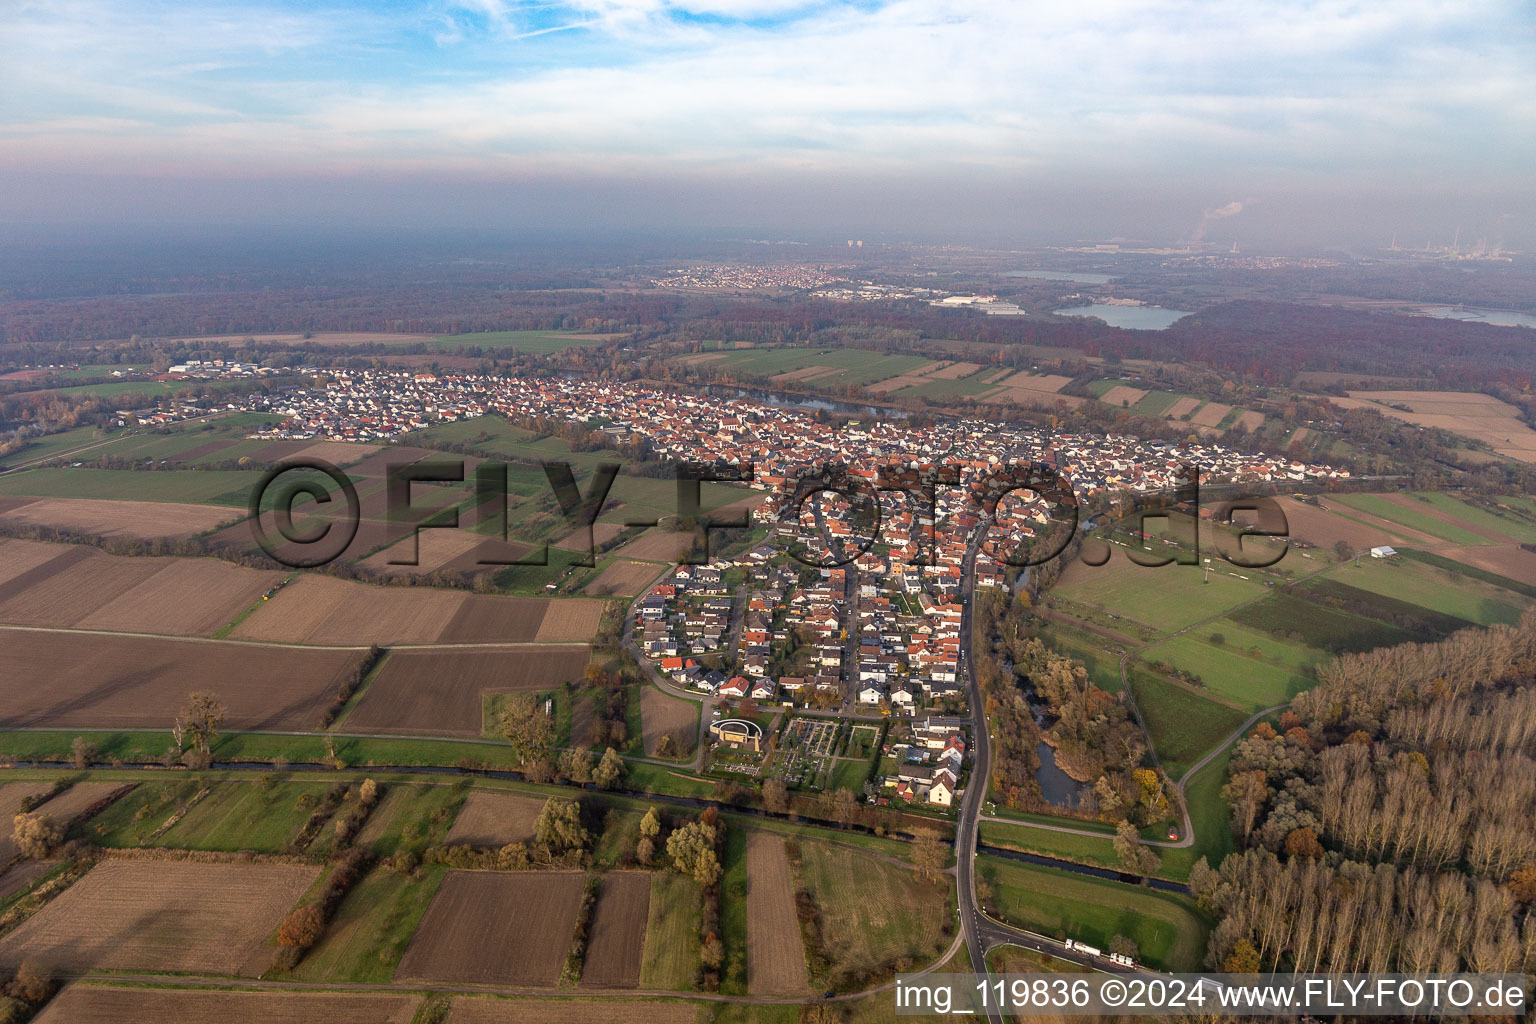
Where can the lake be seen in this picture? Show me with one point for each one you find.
(1057, 786)
(1141, 318)
(1502, 317)
(1062, 275)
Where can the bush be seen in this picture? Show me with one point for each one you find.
(36, 834)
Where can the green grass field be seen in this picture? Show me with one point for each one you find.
(190, 486)
(874, 915)
(413, 817)
(1470, 571)
(1435, 588)
(366, 939)
(853, 366)
(1184, 725)
(1169, 930)
(1515, 521)
(1296, 620)
(1167, 598)
(671, 959)
(1209, 814)
(1249, 667)
(1412, 518)
(246, 816)
(733, 912)
(529, 342)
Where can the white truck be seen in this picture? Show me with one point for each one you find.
(1073, 946)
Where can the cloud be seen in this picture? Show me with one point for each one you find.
(1236, 96)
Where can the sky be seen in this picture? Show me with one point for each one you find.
(1336, 122)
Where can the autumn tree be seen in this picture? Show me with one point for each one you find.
(692, 851)
(1137, 858)
(200, 718)
(82, 752)
(530, 731)
(558, 827)
(36, 834)
(775, 796)
(302, 927)
(928, 855)
(576, 764)
(610, 770)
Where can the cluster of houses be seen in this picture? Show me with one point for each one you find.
(928, 769)
(687, 426)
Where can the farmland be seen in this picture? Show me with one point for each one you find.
(496, 928)
(775, 955)
(323, 610)
(495, 819)
(170, 916)
(372, 928)
(1480, 417)
(617, 934)
(1168, 930)
(671, 958)
(231, 488)
(532, 342)
(109, 682)
(623, 578)
(111, 518)
(103, 1004)
(438, 692)
(469, 1010)
(664, 715)
(875, 916)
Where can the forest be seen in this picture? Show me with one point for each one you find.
(1387, 822)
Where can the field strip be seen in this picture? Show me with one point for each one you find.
(495, 644)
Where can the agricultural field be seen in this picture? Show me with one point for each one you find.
(842, 366)
(472, 1010)
(412, 817)
(243, 816)
(1167, 598)
(528, 342)
(495, 819)
(775, 954)
(318, 609)
(1247, 666)
(616, 937)
(874, 913)
(1421, 520)
(657, 546)
(438, 692)
(91, 1003)
(497, 928)
(143, 520)
(1481, 418)
(1169, 931)
(98, 681)
(231, 488)
(622, 578)
(1183, 722)
(162, 916)
(663, 715)
(191, 597)
(372, 928)
(671, 959)
(1443, 599)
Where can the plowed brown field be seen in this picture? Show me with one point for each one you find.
(121, 682)
(99, 1004)
(162, 916)
(623, 578)
(438, 692)
(470, 1010)
(662, 714)
(617, 934)
(775, 954)
(496, 928)
(573, 619)
(109, 518)
(188, 597)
